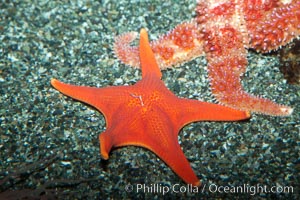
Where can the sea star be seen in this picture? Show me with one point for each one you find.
(147, 114)
(222, 31)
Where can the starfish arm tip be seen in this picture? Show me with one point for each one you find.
(105, 145)
(287, 110)
(197, 184)
(54, 82)
(103, 152)
(248, 114)
(144, 32)
(104, 156)
(147, 58)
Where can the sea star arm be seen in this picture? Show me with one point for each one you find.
(226, 56)
(106, 100)
(179, 45)
(149, 65)
(225, 67)
(194, 110)
(272, 24)
(124, 51)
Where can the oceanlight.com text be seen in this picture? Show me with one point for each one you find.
(208, 188)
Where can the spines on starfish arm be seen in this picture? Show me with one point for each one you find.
(227, 61)
(179, 45)
(227, 89)
(124, 51)
(226, 36)
(182, 43)
(271, 29)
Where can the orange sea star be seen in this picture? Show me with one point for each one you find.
(147, 114)
(222, 31)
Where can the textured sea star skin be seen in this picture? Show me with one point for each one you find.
(147, 114)
(223, 31)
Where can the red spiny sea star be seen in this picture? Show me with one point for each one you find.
(223, 31)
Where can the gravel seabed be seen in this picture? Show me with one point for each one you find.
(49, 144)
